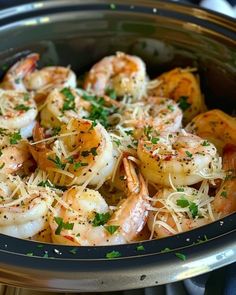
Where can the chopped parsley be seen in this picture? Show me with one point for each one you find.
(170, 107)
(183, 104)
(193, 207)
(69, 103)
(200, 241)
(101, 219)
(1, 166)
(166, 250)
(62, 225)
(15, 137)
(73, 251)
(46, 183)
(129, 132)
(79, 164)
(155, 140)
(148, 131)
(205, 143)
(180, 189)
(56, 130)
(111, 228)
(180, 256)
(58, 162)
(26, 97)
(111, 93)
(117, 142)
(113, 254)
(22, 107)
(224, 194)
(92, 151)
(70, 159)
(183, 203)
(188, 154)
(140, 248)
(30, 254)
(112, 6)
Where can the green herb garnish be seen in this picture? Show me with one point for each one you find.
(224, 194)
(92, 151)
(22, 107)
(62, 225)
(46, 183)
(140, 248)
(111, 228)
(79, 164)
(181, 256)
(111, 93)
(69, 103)
(15, 137)
(188, 154)
(73, 251)
(58, 162)
(183, 104)
(113, 254)
(205, 143)
(101, 219)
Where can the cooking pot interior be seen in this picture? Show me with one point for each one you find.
(79, 39)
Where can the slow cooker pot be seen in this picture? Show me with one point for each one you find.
(165, 35)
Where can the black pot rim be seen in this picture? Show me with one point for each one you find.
(55, 264)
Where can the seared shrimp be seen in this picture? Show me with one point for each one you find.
(24, 76)
(17, 111)
(89, 220)
(215, 126)
(182, 157)
(81, 153)
(159, 113)
(179, 210)
(126, 74)
(14, 78)
(182, 86)
(225, 200)
(61, 105)
(23, 208)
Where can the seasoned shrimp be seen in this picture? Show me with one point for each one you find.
(225, 200)
(23, 208)
(61, 105)
(124, 73)
(24, 76)
(160, 113)
(17, 110)
(182, 86)
(215, 126)
(14, 151)
(181, 156)
(82, 153)
(83, 217)
(14, 78)
(179, 210)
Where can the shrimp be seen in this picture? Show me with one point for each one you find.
(24, 76)
(179, 210)
(183, 87)
(14, 78)
(84, 219)
(81, 153)
(17, 110)
(160, 113)
(61, 105)
(126, 74)
(215, 126)
(23, 208)
(14, 151)
(225, 200)
(182, 157)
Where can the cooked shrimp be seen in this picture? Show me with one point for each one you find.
(182, 86)
(215, 126)
(61, 105)
(14, 78)
(18, 109)
(14, 151)
(79, 211)
(225, 200)
(181, 156)
(179, 210)
(81, 153)
(23, 208)
(24, 76)
(160, 113)
(126, 74)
